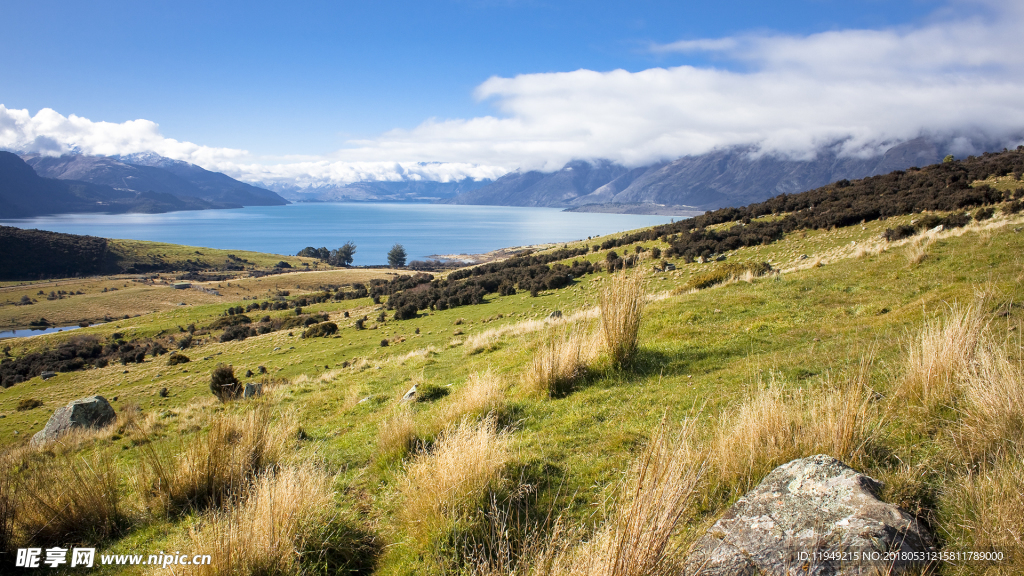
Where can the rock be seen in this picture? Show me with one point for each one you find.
(252, 389)
(47, 375)
(555, 314)
(410, 395)
(801, 511)
(91, 412)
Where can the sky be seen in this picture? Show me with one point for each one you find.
(313, 93)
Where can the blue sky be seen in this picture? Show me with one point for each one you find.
(332, 81)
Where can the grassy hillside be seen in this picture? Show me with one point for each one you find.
(901, 357)
(846, 320)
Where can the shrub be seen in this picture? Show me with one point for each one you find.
(177, 358)
(430, 391)
(406, 312)
(726, 272)
(223, 383)
(237, 333)
(185, 342)
(622, 305)
(321, 330)
(28, 404)
(359, 323)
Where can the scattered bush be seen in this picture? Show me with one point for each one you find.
(239, 332)
(28, 404)
(223, 383)
(177, 358)
(726, 272)
(321, 330)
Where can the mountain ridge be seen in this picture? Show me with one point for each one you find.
(722, 178)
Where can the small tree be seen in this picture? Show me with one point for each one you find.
(396, 256)
(343, 256)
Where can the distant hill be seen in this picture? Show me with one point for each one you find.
(212, 186)
(35, 254)
(152, 173)
(380, 191)
(718, 179)
(23, 193)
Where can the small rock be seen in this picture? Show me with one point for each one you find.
(555, 314)
(252, 389)
(47, 375)
(410, 395)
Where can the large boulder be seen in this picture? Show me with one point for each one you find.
(91, 412)
(813, 516)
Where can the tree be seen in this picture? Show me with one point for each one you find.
(343, 256)
(396, 256)
(308, 252)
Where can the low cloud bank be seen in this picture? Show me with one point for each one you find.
(959, 75)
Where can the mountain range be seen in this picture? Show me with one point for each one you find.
(378, 191)
(722, 178)
(36, 185)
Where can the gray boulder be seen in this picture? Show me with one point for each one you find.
(91, 412)
(813, 516)
(252, 389)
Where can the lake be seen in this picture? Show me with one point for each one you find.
(423, 229)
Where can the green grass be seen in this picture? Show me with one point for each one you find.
(700, 354)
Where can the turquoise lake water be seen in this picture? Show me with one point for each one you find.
(423, 229)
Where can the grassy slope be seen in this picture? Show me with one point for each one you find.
(701, 353)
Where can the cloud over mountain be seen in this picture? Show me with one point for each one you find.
(957, 74)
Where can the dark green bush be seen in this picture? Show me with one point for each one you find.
(177, 358)
(321, 330)
(223, 383)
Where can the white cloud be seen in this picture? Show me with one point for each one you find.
(958, 74)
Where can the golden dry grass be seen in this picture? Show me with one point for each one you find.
(483, 394)
(396, 434)
(774, 426)
(992, 419)
(622, 305)
(561, 361)
(444, 486)
(940, 356)
(208, 469)
(269, 528)
(67, 498)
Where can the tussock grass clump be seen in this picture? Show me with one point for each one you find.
(286, 522)
(561, 361)
(444, 487)
(210, 468)
(641, 536)
(940, 356)
(622, 306)
(774, 426)
(396, 435)
(985, 511)
(992, 419)
(483, 394)
(66, 498)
